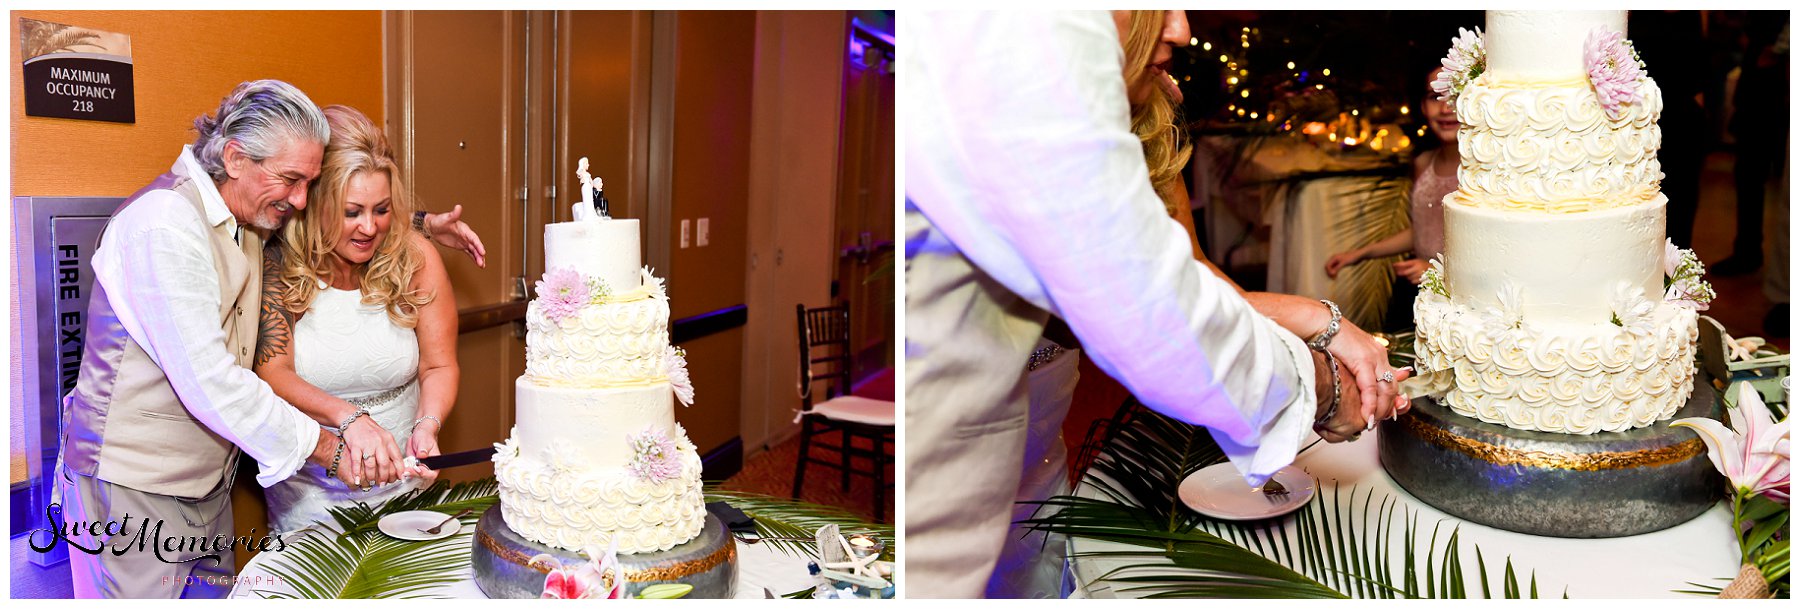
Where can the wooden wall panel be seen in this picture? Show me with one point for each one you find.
(183, 63)
(714, 67)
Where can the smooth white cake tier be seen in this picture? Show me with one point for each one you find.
(1585, 380)
(552, 499)
(1543, 46)
(606, 249)
(591, 426)
(611, 344)
(1564, 266)
(1553, 148)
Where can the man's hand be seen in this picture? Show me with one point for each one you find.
(447, 230)
(326, 450)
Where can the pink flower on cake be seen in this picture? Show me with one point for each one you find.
(1467, 59)
(561, 293)
(1614, 69)
(654, 458)
(1753, 453)
(675, 367)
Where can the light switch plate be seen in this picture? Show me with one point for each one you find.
(701, 231)
(684, 234)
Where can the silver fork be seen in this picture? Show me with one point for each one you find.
(1274, 491)
(440, 526)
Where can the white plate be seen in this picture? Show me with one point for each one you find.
(1219, 491)
(407, 525)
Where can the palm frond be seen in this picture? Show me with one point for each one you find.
(350, 557)
(1340, 545)
(780, 521)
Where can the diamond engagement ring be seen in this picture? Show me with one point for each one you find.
(1386, 377)
(367, 457)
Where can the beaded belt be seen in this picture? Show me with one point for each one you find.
(384, 397)
(1043, 356)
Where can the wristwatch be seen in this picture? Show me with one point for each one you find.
(419, 220)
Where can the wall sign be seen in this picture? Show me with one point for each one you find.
(75, 72)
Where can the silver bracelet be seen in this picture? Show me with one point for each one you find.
(440, 422)
(1043, 356)
(1323, 340)
(1336, 393)
(360, 412)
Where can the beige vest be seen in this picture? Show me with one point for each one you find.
(122, 422)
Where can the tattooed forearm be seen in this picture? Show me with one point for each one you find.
(275, 326)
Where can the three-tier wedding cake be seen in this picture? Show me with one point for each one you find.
(1558, 304)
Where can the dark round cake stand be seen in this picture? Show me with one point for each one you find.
(1608, 484)
(708, 562)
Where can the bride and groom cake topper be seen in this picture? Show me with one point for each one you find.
(593, 199)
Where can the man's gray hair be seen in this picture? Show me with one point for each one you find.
(261, 116)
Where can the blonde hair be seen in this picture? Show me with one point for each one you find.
(1166, 151)
(307, 242)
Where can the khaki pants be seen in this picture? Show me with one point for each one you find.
(139, 572)
(967, 343)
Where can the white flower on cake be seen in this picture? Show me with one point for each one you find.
(508, 450)
(1432, 280)
(654, 284)
(557, 455)
(1511, 314)
(1467, 59)
(1631, 310)
(1682, 281)
(675, 366)
(598, 291)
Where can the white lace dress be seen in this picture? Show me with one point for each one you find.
(352, 351)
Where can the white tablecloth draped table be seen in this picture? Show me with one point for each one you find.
(1652, 565)
(760, 567)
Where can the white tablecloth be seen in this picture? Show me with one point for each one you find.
(1653, 565)
(760, 567)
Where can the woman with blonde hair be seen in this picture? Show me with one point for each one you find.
(357, 310)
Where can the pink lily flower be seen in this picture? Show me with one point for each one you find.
(1755, 456)
(599, 578)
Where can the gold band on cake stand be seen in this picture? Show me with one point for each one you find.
(503, 569)
(1608, 484)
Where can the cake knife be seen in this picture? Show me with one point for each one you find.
(467, 457)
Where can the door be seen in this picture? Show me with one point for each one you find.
(457, 118)
(865, 206)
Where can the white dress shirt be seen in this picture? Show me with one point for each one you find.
(1019, 152)
(156, 265)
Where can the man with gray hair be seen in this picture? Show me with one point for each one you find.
(165, 400)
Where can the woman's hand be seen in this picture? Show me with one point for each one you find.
(447, 229)
(1413, 269)
(370, 454)
(424, 444)
(1340, 260)
(1346, 423)
(1366, 362)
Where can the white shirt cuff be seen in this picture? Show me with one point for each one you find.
(1285, 428)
